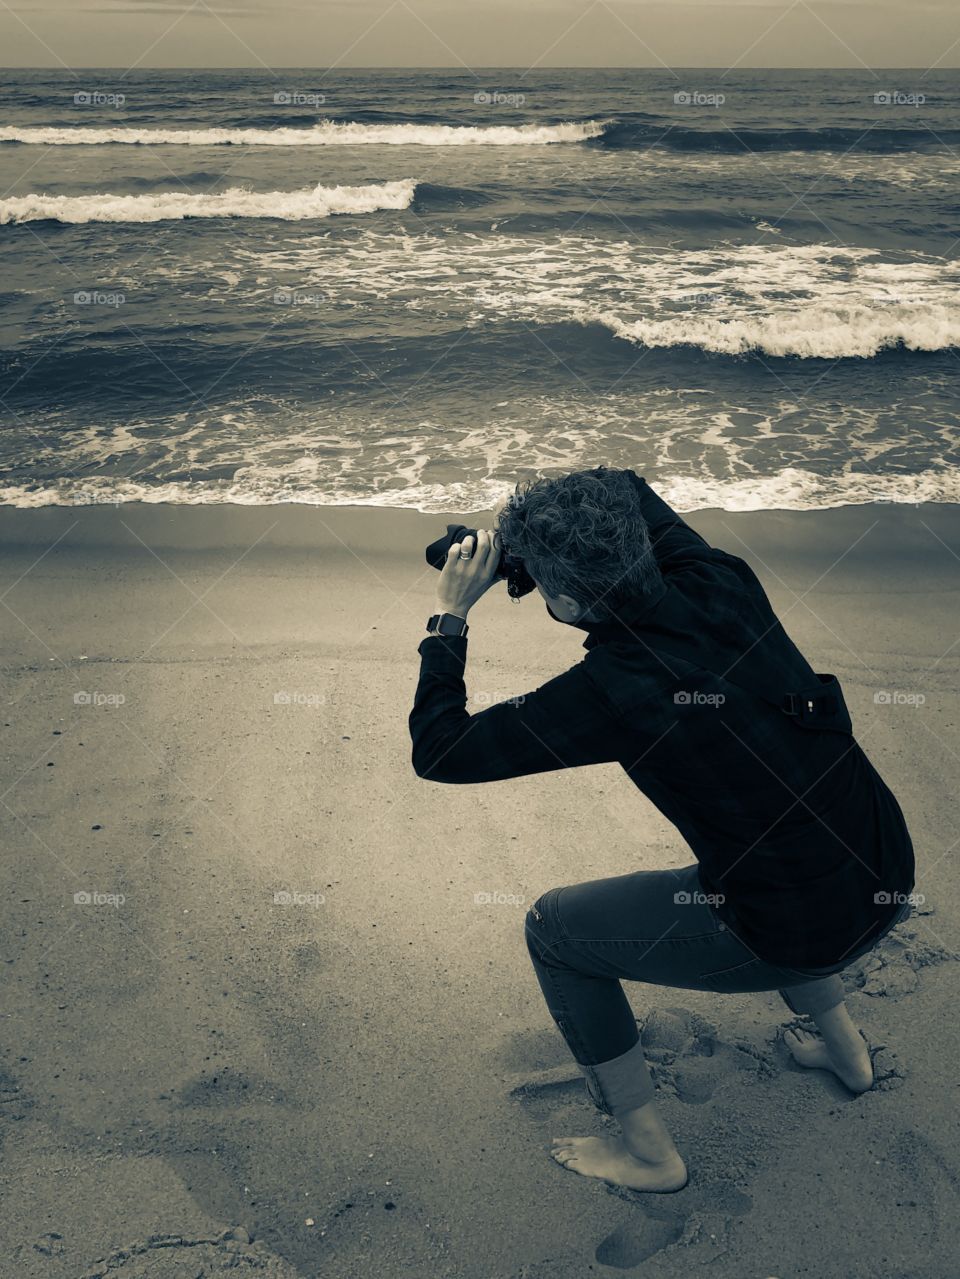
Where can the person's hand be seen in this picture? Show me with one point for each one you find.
(463, 581)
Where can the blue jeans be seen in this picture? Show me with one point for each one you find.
(657, 927)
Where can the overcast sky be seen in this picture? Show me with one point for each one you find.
(479, 33)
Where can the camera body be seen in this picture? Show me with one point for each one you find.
(519, 582)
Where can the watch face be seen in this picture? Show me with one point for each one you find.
(450, 625)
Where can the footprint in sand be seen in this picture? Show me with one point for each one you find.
(689, 1059)
(639, 1239)
(540, 1072)
(892, 969)
(162, 1256)
(551, 1092)
(705, 1217)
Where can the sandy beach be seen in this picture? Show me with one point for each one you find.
(267, 1003)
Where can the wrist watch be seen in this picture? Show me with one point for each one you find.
(447, 624)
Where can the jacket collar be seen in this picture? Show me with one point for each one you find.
(630, 617)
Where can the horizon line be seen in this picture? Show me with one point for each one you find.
(470, 71)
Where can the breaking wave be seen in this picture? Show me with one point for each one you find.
(327, 133)
(290, 206)
(811, 332)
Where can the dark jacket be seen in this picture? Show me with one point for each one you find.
(792, 826)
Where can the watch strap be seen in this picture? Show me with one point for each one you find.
(447, 624)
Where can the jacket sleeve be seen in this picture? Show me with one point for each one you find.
(564, 723)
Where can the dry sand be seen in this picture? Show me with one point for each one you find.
(363, 1079)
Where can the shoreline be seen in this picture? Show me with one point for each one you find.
(397, 530)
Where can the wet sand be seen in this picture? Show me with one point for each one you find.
(294, 1030)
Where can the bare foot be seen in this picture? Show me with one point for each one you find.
(608, 1159)
(854, 1068)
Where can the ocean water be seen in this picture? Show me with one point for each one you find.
(410, 288)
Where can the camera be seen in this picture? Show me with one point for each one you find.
(519, 582)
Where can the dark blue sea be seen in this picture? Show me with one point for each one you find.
(410, 288)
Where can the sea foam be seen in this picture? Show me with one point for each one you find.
(327, 133)
(791, 489)
(289, 206)
(809, 332)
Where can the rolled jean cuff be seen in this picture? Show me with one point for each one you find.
(621, 1084)
(816, 996)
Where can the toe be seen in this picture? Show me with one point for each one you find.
(799, 1038)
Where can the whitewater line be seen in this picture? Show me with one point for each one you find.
(327, 133)
(288, 206)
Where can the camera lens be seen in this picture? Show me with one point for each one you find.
(510, 567)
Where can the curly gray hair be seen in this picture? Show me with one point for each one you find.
(582, 535)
